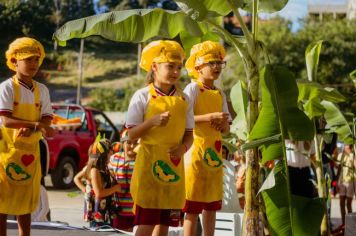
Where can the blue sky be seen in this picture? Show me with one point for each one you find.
(296, 9)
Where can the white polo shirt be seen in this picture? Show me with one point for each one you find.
(139, 102)
(27, 96)
(297, 155)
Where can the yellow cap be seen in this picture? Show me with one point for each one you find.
(23, 48)
(202, 53)
(161, 51)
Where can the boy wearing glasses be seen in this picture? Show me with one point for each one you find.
(204, 165)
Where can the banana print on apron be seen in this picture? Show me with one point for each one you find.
(204, 165)
(20, 169)
(157, 181)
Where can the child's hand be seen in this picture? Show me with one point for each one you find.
(219, 117)
(219, 121)
(176, 152)
(161, 119)
(117, 188)
(220, 126)
(48, 132)
(24, 132)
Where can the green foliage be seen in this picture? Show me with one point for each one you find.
(108, 99)
(129, 26)
(307, 213)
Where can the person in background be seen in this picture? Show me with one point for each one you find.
(99, 189)
(346, 179)
(121, 166)
(299, 155)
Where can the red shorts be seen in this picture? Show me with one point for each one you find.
(124, 222)
(193, 207)
(149, 216)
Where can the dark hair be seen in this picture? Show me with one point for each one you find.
(150, 77)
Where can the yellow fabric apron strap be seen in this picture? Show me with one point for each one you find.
(17, 92)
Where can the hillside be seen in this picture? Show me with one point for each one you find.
(100, 70)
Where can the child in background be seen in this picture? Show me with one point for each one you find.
(121, 166)
(346, 179)
(99, 188)
(25, 111)
(162, 118)
(204, 170)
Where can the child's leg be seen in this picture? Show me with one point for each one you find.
(3, 224)
(342, 208)
(160, 230)
(209, 222)
(24, 223)
(144, 230)
(190, 224)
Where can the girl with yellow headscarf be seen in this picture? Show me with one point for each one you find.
(203, 171)
(25, 111)
(161, 116)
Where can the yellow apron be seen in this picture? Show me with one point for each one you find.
(204, 166)
(20, 168)
(158, 182)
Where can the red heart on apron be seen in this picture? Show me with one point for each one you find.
(218, 145)
(27, 159)
(175, 162)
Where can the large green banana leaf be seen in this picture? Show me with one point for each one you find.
(129, 26)
(312, 59)
(239, 101)
(337, 122)
(202, 9)
(306, 213)
(279, 97)
(311, 94)
(266, 6)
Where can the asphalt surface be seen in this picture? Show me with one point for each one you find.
(67, 210)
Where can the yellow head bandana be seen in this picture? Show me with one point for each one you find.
(161, 51)
(202, 53)
(23, 48)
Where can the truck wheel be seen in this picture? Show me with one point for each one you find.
(63, 176)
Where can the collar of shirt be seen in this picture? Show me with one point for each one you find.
(161, 93)
(31, 88)
(207, 87)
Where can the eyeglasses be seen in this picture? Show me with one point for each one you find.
(214, 64)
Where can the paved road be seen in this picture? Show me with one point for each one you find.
(67, 206)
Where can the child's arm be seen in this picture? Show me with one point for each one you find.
(139, 130)
(178, 151)
(99, 191)
(27, 126)
(78, 179)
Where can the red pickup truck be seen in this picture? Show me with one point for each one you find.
(68, 149)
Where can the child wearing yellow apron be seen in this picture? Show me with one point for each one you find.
(162, 118)
(204, 164)
(25, 111)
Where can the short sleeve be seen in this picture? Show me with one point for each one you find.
(6, 98)
(191, 91)
(46, 108)
(136, 110)
(189, 115)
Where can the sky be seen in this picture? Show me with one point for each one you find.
(296, 9)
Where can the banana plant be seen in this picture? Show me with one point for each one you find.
(195, 22)
(319, 101)
(280, 119)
